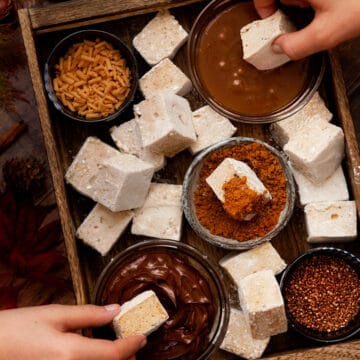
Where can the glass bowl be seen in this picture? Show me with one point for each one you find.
(205, 76)
(61, 49)
(171, 267)
(191, 181)
(325, 266)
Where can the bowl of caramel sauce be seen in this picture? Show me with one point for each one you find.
(232, 86)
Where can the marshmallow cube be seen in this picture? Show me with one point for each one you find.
(128, 139)
(261, 257)
(160, 38)
(210, 128)
(161, 215)
(102, 228)
(165, 76)
(333, 188)
(230, 168)
(123, 182)
(302, 121)
(238, 339)
(258, 36)
(165, 123)
(331, 221)
(263, 305)
(318, 153)
(86, 164)
(143, 314)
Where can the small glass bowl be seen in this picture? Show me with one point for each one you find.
(190, 256)
(342, 334)
(191, 181)
(60, 50)
(312, 82)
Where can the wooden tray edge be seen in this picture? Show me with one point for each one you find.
(345, 350)
(82, 12)
(347, 124)
(53, 158)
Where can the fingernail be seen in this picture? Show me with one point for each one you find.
(143, 343)
(112, 307)
(277, 49)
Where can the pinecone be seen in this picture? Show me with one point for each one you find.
(24, 176)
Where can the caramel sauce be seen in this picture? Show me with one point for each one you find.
(234, 83)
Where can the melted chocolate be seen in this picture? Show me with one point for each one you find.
(184, 293)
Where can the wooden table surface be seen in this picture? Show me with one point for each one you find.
(31, 141)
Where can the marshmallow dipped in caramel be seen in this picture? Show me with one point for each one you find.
(235, 84)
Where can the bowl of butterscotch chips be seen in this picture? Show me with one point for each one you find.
(91, 76)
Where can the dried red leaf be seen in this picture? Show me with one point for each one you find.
(30, 251)
(46, 237)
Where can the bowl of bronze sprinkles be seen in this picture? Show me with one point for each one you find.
(91, 76)
(188, 285)
(235, 88)
(321, 291)
(243, 220)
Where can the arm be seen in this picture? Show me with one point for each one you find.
(48, 332)
(334, 22)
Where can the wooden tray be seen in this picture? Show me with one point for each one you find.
(42, 28)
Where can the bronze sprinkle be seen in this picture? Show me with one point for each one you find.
(323, 293)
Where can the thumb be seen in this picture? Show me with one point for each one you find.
(307, 41)
(129, 346)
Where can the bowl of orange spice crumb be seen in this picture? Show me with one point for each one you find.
(91, 76)
(238, 193)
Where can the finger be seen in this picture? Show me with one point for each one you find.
(74, 317)
(265, 8)
(307, 41)
(129, 346)
(79, 347)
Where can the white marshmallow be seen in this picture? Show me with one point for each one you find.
(263, 305)
(143, 314)
(161, 215)
(302, 121)
(230, 168)
(102, 228)
(238, 339)
(165, 76)
(317, 153)
(165, 123)
(128, 139)
(210, 128)
(331, 221)
(258, 36)
(261, 257)
(334, 188)
(160, 38)
(86, 164)
(122, 182)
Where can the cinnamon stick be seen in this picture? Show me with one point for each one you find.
(11, 135)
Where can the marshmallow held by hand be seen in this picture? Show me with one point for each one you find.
(258, 36)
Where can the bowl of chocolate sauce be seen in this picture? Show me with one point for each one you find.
(187, 284)
(235, 88)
